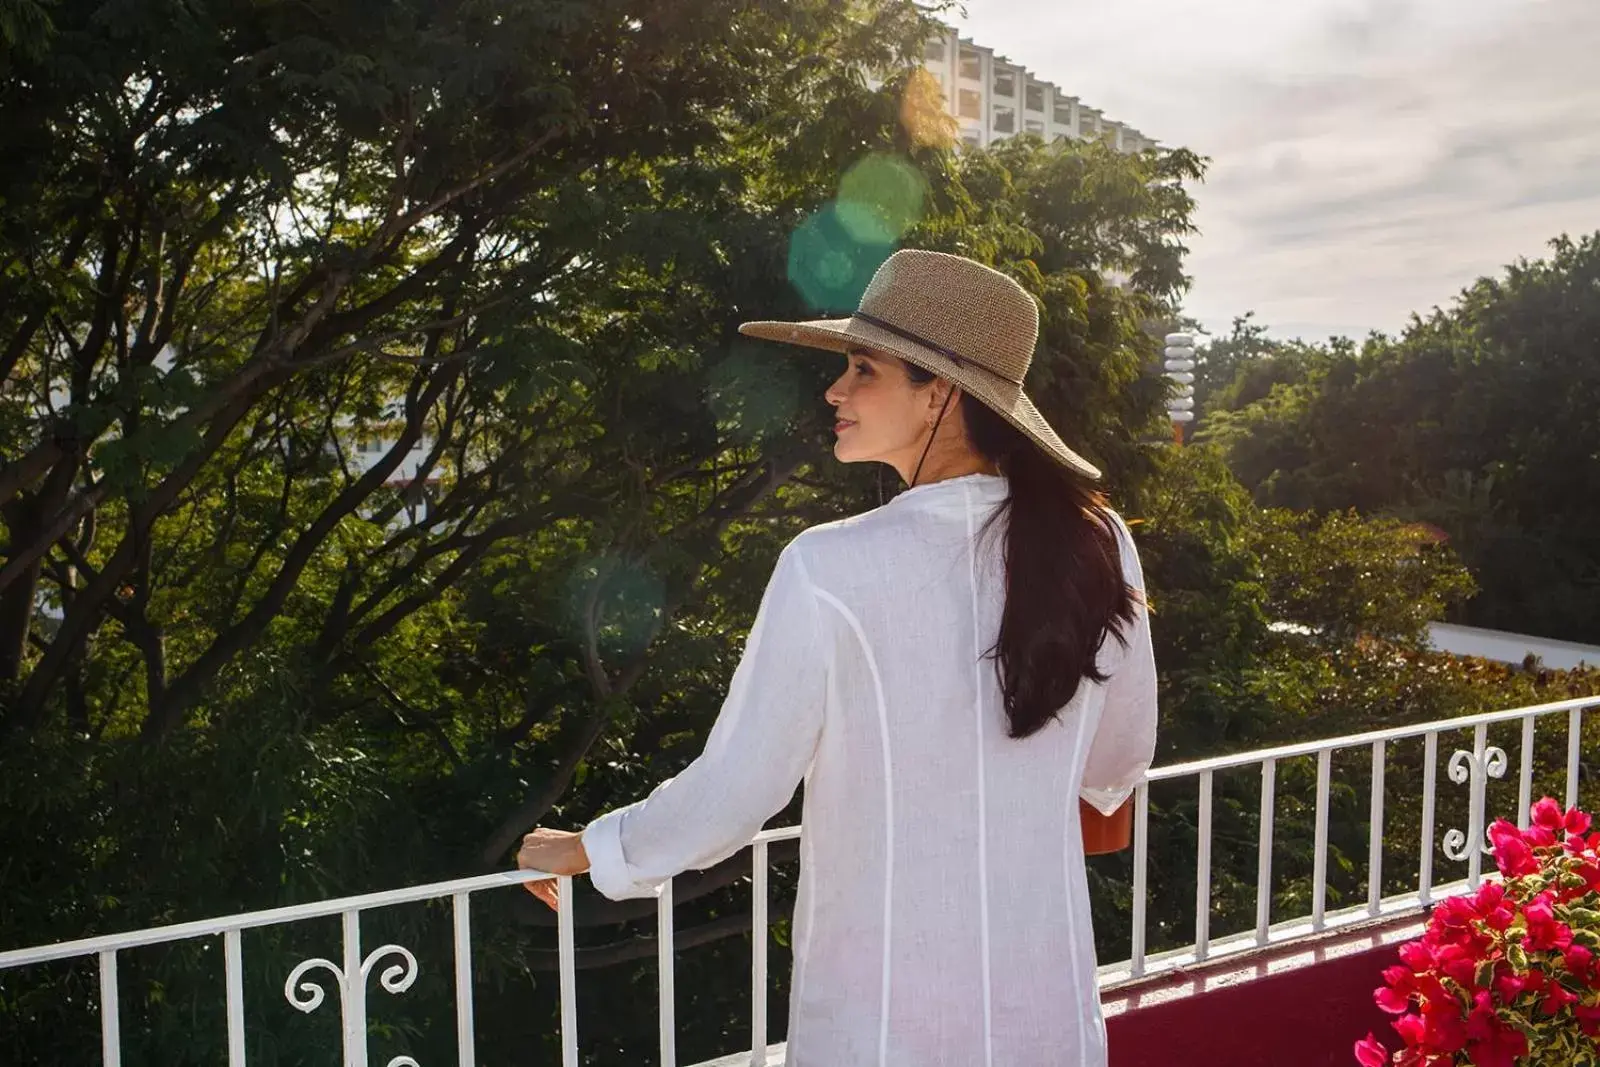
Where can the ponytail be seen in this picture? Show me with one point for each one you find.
(1063, 565)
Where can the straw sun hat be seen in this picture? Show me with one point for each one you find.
(968, 324)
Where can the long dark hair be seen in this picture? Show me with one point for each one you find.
(1064, 587)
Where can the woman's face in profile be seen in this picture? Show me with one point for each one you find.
(880, 414)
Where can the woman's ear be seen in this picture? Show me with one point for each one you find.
(941, 398)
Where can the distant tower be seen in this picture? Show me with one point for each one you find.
(1180, 368)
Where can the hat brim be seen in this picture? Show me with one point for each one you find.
(1005, 398)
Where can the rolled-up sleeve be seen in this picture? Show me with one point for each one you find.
(758, 751)
(1125, 737)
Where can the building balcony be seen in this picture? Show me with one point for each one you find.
(1283, 974)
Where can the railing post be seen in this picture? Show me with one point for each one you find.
(567, 953)
(1474, 768)
(466, 1045)
(664, 984)
(1478, 784)
(1430, 760)
(1202, 873)
(110, 1012)
(1375, 832)
(1269, 781)
(233, 963)
(1319, 860)
(1525, 775)
(354, 1016)
(1141, 866)
(758, 956)
(1574, 740)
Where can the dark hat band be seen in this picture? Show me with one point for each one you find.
(917, 339)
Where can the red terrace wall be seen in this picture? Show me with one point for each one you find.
(1301, 1005)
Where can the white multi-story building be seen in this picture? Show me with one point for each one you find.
(993, 98)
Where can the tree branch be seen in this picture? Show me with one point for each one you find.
(226, 645)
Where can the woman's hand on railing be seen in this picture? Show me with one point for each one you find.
(554, 852)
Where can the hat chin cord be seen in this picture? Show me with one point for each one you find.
(931, 436)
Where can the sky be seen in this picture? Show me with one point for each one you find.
(1369, 158)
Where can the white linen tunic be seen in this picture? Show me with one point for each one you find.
(942, 916)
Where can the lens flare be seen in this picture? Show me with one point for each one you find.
(880, 198)
(829, 265)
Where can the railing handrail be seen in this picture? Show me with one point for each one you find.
(1472, 767)
(1393, 733)
(320, 909)
(157, 935)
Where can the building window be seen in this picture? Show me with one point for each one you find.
(1005, 83)
(934, 50)
(970, 140)
(971, 104)
(1087, 124)
(971, 64)
(1034, 126)
(1035, 97)
(1063, 114)
(1005, 120)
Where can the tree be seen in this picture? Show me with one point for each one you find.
(1476, 419)
(241, 666)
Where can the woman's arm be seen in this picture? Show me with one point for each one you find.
(1125, 738)
(757, 753)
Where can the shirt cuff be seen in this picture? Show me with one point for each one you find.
(608, 867)
(1107, 801)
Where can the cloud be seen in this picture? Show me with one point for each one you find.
(1370, 157)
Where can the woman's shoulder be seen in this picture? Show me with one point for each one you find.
(849, 547)
(1127, 547)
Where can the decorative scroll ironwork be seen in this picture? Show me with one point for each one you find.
(1468, 767)
(307, 995)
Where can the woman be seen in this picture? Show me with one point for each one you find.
(948, 674)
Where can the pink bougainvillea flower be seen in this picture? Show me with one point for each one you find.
(1590, 873)
(1491, 1042)
(1509, 986)
(1500, 1049)
(1493, 907)
(1511, 853)
(1556, 998)
(1411, 1028)
(1546, 812)
(1446, 1031)
(1444, 1016)
(1417, 955)
(1544, 931)
(1394, 996)
(1459, 963)
(1579, 961)
(1370, 1053)
(1576, 822)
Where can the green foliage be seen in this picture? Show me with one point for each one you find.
(1478, 419)
(383, 472)
(246, 661)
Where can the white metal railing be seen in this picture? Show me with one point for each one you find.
(1470, 767)
(350, 976)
